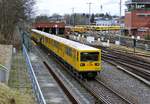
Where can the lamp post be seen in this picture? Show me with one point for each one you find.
(134, 41)
(73, 19)
(56, 28)
(120, 18)
(89, 12)
(101, 7)
(73, 15)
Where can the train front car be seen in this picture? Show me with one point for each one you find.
(90, 63)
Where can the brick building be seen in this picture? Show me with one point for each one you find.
(137, 17)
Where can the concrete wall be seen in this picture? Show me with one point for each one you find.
(3, 75)
(5, 62)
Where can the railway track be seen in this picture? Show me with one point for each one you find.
(105, 93)
(141, 68)
(129, 57)
(131, 52)
(133, 63)
(101, 93)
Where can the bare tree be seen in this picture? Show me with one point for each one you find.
(13, 12)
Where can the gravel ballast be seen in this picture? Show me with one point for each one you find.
(125, 84)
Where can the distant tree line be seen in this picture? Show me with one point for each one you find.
(13, 12)
(73, 19)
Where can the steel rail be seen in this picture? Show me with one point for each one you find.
(131, 61)
(121, 67)
(116, 93)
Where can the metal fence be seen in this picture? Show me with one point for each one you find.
(35, 84)
(26, 40)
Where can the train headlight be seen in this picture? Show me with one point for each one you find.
(82, 64)
(97, 64)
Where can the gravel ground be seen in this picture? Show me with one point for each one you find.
(125, 84)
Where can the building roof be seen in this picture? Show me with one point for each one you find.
(49, 25)
(137, 2)
(70, 43)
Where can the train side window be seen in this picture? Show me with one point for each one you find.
(69, 51)
(66, 50)
(56, 44)
(44, 40)
(41, 40)
(53, 43)
(48, 41)
(74, 54)
(77, 56)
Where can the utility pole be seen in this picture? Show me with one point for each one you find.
(73, 19)
(120, 5)
(100, 6)
(120, 11)
(89, 12)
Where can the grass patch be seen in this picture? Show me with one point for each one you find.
(19, 79)
(9, 96)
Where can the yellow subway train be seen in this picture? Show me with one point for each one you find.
(79, 29)
(85, 28)
(84, 60)
(107, 28)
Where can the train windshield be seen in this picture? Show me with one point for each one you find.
(89, 56)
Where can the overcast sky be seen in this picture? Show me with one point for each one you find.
(50, 7)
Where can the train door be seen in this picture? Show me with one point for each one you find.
(77, 59)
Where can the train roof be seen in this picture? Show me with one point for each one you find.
(71, 43)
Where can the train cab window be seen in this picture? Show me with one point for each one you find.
(89, 56)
